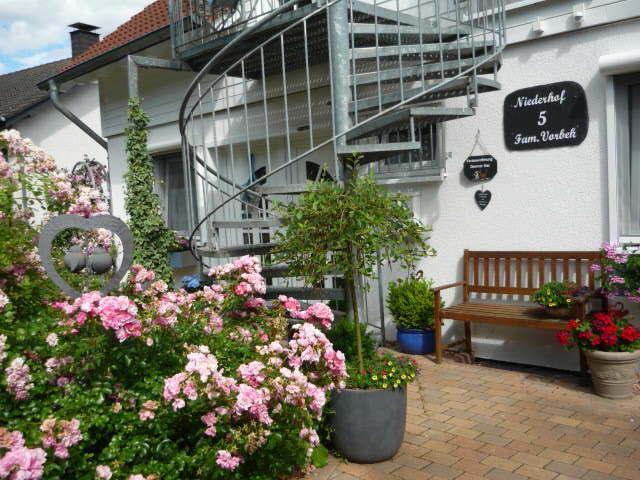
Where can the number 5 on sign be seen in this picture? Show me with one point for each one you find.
(542, 117)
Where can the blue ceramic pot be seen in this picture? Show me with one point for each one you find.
(416, 342)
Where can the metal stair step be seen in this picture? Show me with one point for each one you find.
(281, 270)
(291, 189)
(392, 29)
(248, 223)
(305, 293)
(430, 70)
(384, 13)
(237, 251)
(426, 114)
(465, 47)
(372, 152)
(453, 88)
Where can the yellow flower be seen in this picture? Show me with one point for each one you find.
(384, 385)
(384, 377)
(413, 375)
(393, 369)
(389, 363)
(374, 378)
(403, 376)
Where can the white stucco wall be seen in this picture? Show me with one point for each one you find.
(553, 199)
(49, 129)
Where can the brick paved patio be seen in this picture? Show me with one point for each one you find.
(467, 422)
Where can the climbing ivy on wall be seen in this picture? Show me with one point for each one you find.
(152, 237)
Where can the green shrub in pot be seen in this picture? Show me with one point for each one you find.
(410, 301)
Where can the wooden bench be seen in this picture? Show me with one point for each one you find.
(497, 286)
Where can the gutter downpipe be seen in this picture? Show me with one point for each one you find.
(55, 99)
(54, 94)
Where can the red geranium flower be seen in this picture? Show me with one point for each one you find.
(563, 337)
(630, 334)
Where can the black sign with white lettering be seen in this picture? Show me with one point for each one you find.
(546, 116)
(480, 167)
(483, 197)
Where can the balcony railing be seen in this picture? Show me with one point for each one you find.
(198, 22)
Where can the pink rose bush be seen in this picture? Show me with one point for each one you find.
(17, 462)
(211, 378)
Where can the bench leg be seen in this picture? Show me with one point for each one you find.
(437, 327)
(467, 337)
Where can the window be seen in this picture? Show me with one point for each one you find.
(429, 136)
(172, 191)
(627, 112)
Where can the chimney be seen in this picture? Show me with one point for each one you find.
(82, 37)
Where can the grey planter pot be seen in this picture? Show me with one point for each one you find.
(614, 374)
(100, 261)
(369, 424)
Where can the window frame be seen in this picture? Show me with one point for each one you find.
(617, 106)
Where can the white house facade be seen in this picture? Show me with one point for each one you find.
(558, 198)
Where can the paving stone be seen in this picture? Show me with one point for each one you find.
(471, 422)
(536, 473)
(565, 468)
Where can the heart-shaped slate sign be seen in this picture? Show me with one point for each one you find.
(66, 222)
(483, 197)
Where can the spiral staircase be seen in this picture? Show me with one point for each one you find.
(286, 91)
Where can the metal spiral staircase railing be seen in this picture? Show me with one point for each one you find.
(290, 91)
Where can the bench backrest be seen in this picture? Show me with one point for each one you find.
(521, 273)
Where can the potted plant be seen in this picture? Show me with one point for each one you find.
(612, 347)
(619, 270)
(558, 298)
(410, 302)
(351, 229)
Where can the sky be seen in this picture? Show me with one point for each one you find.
(33, 32)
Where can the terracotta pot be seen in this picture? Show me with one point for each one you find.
(614, 374)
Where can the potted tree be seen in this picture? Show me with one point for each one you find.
(351, 229)
(612, 348)
(410, 302)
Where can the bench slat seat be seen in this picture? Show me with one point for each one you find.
(503, 314)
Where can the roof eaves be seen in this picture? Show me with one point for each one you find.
(10, 120)
(140, 43)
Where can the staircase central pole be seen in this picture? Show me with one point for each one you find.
(338, 20)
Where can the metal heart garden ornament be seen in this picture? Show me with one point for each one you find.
(65, 222)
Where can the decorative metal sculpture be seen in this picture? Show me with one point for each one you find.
(100, 261)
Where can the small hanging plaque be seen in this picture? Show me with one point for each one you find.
(483, 197)
(480, 167)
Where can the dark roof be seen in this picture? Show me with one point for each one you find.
(19, 91)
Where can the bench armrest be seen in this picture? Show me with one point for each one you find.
(449, 285)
